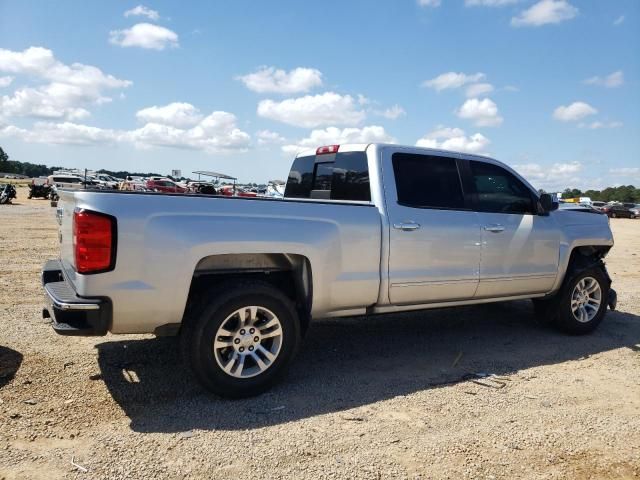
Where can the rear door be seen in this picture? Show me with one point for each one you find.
(434, 238)
(520, 248)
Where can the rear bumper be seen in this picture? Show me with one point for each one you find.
(71, 314)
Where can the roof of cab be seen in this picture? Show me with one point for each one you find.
(361, 147)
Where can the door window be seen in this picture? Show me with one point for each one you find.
(500, 191)
(427, 181)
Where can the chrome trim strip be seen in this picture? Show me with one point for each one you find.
(70, 306)
(434, 283)
(455, 303)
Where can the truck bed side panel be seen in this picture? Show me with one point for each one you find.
(162, 238)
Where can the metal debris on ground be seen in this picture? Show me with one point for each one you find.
(354, 419)
(490, 380)
(79, 467)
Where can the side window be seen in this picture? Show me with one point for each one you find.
(427, 181)
(350, 180)
(499, 191)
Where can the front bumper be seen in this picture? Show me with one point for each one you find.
(71, 314)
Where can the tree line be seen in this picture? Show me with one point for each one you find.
(37, 170)
(623, 193)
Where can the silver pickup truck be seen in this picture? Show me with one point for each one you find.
(363, 229)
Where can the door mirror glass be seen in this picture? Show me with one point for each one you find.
(548, 202)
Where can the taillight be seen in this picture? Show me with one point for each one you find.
(93, 241)
(327, 149)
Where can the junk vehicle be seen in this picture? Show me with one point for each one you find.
(7, 193)
(164, 185)
(362, 230)
(614, 210)
(39, 190)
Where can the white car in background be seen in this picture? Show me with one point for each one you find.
(65, 180)
(106, 180)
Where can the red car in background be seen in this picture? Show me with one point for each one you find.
(165, 185)
(230, 191)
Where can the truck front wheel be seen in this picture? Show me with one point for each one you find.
(242, 339)
(582, 303)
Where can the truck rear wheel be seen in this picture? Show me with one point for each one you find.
(240, 342)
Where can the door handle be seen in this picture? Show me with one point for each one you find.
(407, 227)
(496, 228)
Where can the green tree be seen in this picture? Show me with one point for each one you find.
(3, 156)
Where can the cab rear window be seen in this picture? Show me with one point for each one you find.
(338, 176)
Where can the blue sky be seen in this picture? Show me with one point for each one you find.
(547, 86)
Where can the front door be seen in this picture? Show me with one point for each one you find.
(434, 236)
(519, 246)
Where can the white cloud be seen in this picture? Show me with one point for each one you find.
(216, 133)
(334, 135)
(66, 133)
(483, 113)
(452, 80)
(613, 80)
(454, 139)
(552, 178)
(598, 125)
(314, 110)
(176, 114)
(489, 3)
(267, 137)
(272, 80)
(39, 62)
(619, 20)
(545, 12)
(392, 113)
(142, 11)
(53, 101)
(573, 112)
(477, 89)
(5, 81)
(429, 3)
(71, 88)
(144, 35)
(511, 88)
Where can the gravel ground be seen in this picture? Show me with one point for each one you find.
(383, 397)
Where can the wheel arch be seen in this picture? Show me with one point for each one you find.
(290, 273)
(578, 258)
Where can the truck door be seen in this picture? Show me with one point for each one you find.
(434, 237)
(519, 246)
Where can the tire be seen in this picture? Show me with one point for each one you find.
(570, 322)
(245, 376)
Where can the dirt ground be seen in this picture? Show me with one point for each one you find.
(382, 397)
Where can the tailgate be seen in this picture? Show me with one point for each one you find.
(64, 216)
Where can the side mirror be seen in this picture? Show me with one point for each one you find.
(548, 202)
